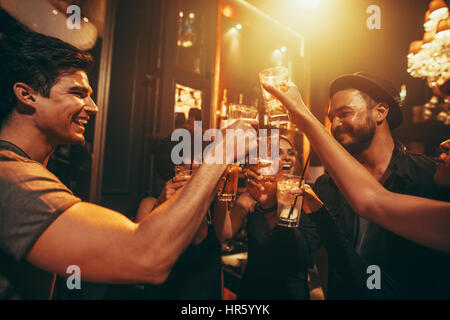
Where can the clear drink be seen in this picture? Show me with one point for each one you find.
(183, 170)
(277, 77)
(243, 112)
(289, 205)
(228, 184)
(269, 181)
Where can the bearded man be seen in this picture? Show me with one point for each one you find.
(372, 262)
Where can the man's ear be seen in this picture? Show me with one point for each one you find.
(25, 94)
(381, 111)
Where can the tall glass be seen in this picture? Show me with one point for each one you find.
(278, 77)
(243, 112)
(228, 184)
(269, 179)
(289, 205)
(183, 170)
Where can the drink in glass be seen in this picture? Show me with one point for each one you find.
(183, 170)
(278, 115)
(228, 184)
(289, 205)
(269, 178)
(243, 112)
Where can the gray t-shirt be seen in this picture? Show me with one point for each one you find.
(31, 198)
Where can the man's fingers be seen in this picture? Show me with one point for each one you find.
(180, 179)
(256, 184)
(289, 99)
(178, 185)
(252, 174)
(277, 94)
(297, 192)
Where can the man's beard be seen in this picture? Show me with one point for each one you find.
(362, 136)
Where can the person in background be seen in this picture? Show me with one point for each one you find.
(272, 271)
(197, 273)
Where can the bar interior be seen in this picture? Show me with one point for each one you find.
(295, 226)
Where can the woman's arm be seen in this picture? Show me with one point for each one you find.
(424, 221)
(228, 222)
(148, 204)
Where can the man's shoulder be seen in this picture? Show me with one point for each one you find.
(420, 161)
(414, 164)
(14, 167)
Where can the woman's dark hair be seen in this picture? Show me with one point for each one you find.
(36, 60)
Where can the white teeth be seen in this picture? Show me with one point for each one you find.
(81, 122)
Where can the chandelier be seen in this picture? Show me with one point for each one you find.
(429, 58)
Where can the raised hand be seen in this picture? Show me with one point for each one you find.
(292, 100)
(171, 187)
(231, 144)
(264, 192)
(311, 201)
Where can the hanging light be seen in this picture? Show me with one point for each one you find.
(429, 23)
(428, 37)
(438, 10)
(415, 47)
(429, 58)
(443, 29)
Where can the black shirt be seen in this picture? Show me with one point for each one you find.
(408, 270)
(274, 268)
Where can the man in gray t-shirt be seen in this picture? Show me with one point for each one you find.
(26, 187)
(46, 102)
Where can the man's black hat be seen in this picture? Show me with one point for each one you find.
(377, 88)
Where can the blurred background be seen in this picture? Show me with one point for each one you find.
(161, 64)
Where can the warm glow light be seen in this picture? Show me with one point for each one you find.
(438, 10)
(191, 15)
(233, 30)
(239, 26)
(85, 19)
(181, 14)
(227, 12)
(439, 14)
(310, 3)
(403, 92)
(277, 57)
(55, 12)
(283, 49)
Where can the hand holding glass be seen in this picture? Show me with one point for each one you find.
(289, 205)
(279, 78)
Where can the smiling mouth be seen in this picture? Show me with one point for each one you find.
(80, 122)
(286, 167)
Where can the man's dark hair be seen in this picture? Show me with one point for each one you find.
(36, 60)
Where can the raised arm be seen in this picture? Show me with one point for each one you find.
(424, 221)
(227, 222)
(110, 248)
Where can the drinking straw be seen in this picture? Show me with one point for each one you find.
(300, 184)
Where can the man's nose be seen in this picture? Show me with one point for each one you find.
(336, 123)
(90, 106)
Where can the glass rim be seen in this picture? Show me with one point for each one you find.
(273, 69)
(242, 105)
(290, 176)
